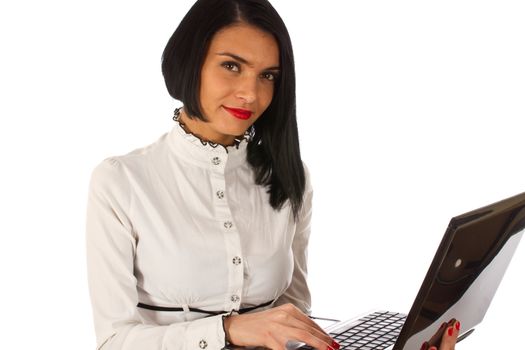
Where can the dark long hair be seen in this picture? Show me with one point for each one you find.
(274, 151)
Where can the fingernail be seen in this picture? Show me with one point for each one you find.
(424, 346)
(450, 331)
(329, 348)
(433, 348)
(458, 325)
(335, 345)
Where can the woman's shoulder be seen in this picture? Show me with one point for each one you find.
(117, 167)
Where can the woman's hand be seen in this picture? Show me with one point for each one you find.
(446, 336)
(273, 328)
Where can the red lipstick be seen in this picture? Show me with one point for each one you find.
(239, 113)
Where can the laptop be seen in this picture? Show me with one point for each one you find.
(460, 283)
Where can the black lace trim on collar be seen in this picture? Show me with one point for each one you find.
(248, 135)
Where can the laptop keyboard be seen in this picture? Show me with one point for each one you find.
(376, 331)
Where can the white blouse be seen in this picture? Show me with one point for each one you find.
(182, 224)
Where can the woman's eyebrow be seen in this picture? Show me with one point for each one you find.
(243, 60)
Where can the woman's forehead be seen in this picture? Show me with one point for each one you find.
(248, 42)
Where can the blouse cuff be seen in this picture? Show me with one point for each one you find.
(206, 333)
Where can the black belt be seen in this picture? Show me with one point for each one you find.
(192, 309)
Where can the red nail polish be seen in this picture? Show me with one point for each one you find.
(335, 345)
(424, 346)
(458, 325)
(450, 331)
(329, 348)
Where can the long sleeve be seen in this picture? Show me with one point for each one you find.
(111, 247)
(298, 292)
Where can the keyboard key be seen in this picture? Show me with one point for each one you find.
(376, 331)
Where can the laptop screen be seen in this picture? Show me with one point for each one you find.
(466, 271)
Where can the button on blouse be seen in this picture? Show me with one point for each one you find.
(182, 224)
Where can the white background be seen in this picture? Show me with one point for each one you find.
(410, 112)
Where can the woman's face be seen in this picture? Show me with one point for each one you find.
(237, 82)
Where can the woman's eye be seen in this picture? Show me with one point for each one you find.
(269, 76)
(232, 66)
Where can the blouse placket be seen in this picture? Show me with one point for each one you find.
(232, 242)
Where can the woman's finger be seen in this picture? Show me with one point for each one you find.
(448, 341)
(292, 324)
(435, 340)
(307, 337)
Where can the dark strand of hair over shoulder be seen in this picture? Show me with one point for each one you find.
(274, 151)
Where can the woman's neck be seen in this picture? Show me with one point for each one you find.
(200, 129)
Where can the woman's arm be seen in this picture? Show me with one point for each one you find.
(111, 246)
(298, 292)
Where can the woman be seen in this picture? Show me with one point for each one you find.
(200, 238)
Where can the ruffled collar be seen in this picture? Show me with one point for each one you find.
(247, 137)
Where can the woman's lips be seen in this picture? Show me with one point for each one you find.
(239, 113)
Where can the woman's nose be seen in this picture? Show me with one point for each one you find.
(247, 90)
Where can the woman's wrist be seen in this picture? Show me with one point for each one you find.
(226, 323)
